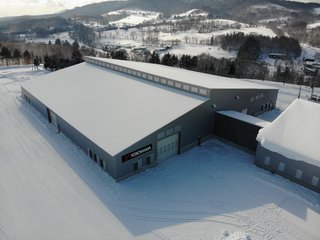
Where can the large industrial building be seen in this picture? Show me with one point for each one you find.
(128, 116)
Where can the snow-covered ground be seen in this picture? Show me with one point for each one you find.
(313, 25)
(194, 50)
(62, 36)
(133, 17)
(49, 189)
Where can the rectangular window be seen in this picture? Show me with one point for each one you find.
(178, 85)
(134, 73)
(116, 68)
(261, 95)
(203, 92)
(267, 160)
(252, 99)
(163, 81)
(129, 71)
(120, 69)
(298, 174)
(139, 74)
(156, 79)
(150, 77)
(170, 83)
(108, 65)
(194, 89)
(144, 75)
(314, 181)
(257, 97)
(281, 166)
(186, 87)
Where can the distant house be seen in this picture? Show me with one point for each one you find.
(290, 145)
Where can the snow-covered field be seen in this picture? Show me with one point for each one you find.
(194, 50)
(49, 189)
(313, 25)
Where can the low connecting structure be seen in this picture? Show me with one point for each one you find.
(128, 116)
(238, 128)
(290, 145)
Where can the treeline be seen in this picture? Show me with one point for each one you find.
(288, 46)
(236, 68)
(54, 56)
(56, 62)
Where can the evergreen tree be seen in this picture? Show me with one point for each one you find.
(6, 54)
(17, 55)
(57, 42)
(250, 49)
(27, 56)
(36, 62)
(154, 58)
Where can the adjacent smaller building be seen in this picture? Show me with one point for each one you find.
(290, 145)
(238, 128)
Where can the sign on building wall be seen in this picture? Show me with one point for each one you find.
(136, 153)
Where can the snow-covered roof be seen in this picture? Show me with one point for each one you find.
(112, 109)
(295, 134)
(245, 118)
(185, 76)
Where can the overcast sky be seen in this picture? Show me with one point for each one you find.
(37, 7)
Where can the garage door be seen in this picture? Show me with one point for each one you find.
(167, 147)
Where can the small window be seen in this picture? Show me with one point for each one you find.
(252, 99)
(150, 77)
(186, 87)
(267, 160)
(314, 181)
(120, 69)
(108, 65)
(261, 95)
(139, 74)
(156, 79)
(116, 68)
(95, 157)
(144, 75)
(281, 166)
(203, 92)
(163, 81)
(134, 73)
(129, 71)
(298, 174)
(257, 97)
(194, 89)
(170, 83)
(177, 85)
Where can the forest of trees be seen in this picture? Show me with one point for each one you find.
(54, 56)
(288, 46)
